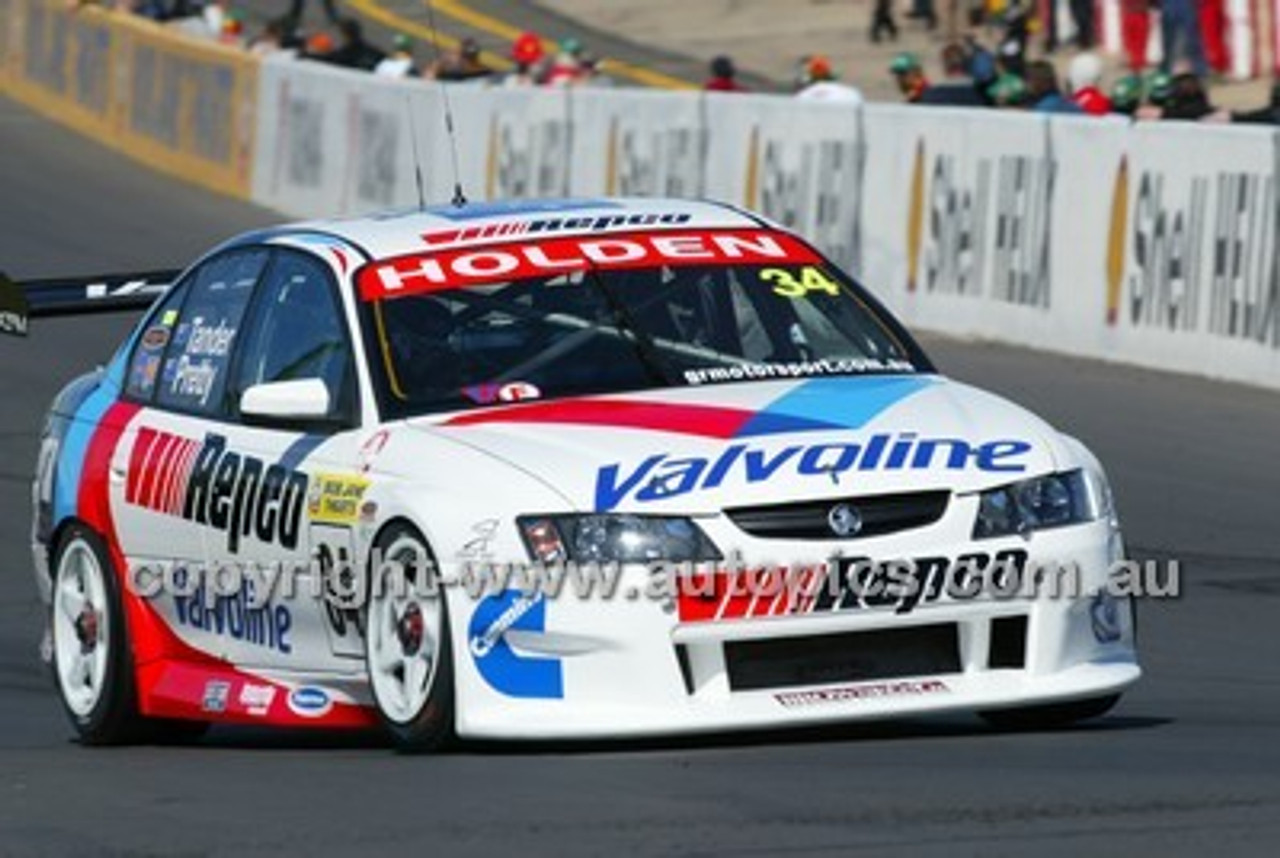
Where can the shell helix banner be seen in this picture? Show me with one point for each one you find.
(181, 106)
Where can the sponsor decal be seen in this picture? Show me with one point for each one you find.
(864, 691)
(851, 584)
(216, 695)
(13, 323)
(14, 309)
(1196, 253)
(504, 669)
(515, 229)
(142, 375)
(257, 699)
(335, 498)
(981, 226)
(242, 617)
(205, 483)
(310, 702)
(515, 391)
(155, 338)
(452, 269)
(663, 476)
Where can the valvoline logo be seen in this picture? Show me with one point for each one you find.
(501, 666)
(664, 476)
(310, 702)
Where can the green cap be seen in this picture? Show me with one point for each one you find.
(1007, 89)
(1126, 92)
(1159, 87)
(905, 62)
(401, 42)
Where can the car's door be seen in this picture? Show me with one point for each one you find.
(297, 492)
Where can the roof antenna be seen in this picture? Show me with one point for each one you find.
(459, 198)
(417, 157)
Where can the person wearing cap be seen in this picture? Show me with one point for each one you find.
(527, 54)
(724, 76)
(398, 63)
(818, 83)
(1007, 91)
(1084, 76)
(908, 71)
(353, 51)
(566, 68)
(1126, 95)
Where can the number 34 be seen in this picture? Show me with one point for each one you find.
(811, 279)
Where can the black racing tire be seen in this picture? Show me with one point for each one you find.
(421, 720)
(1050, 715)
(111, 716)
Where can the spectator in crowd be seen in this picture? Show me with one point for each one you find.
(909, 73)
(1126, 95)
(1187, 99)
(593, 72)
(296, 8)
(1084, 76)
(527, 54)
(399, 63)
(958, 87)
(1043, 94)
(724, 76)
(461, 65)
(277, 36)
(1213, 34)
(1180, 36)
(1082, 16)
(319, 46)
(923, 10)
(1007, 91)
(882, 21)
(818, 83)
(1012, 51)
(1266, 115)
(353, 51)
(566, 69)
(1135, 32)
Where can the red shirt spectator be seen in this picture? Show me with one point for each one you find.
(1092, 101)
(724, 77)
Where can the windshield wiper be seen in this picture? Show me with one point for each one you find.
(646, 350)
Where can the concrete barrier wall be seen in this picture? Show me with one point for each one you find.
(179, 105)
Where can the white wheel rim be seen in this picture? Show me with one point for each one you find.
(404, 629)
(81, 628)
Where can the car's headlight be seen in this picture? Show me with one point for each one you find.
(1055, 500)
(615, 539)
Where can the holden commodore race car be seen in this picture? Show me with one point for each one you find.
(578, 468)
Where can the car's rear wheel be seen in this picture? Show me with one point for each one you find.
(407, 648)
(92, 665)
(1050, 715)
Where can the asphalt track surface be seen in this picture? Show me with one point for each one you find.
(1188, 764)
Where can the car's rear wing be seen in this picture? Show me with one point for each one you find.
(76, 296)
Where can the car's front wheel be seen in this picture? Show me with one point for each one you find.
(91, 663)
(407, 648)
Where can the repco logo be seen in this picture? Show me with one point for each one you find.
(205, 483)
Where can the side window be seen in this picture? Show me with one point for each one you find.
(197, 361)
(297, 331)
(148, 352)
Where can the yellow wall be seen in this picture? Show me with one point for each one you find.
(177, 104)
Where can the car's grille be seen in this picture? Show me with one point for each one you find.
(848, 657)
(878, 515)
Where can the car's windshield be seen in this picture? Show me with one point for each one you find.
(623, 329)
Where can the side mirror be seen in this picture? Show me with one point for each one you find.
(306, 399)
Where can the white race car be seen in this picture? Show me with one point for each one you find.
(578, 468)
